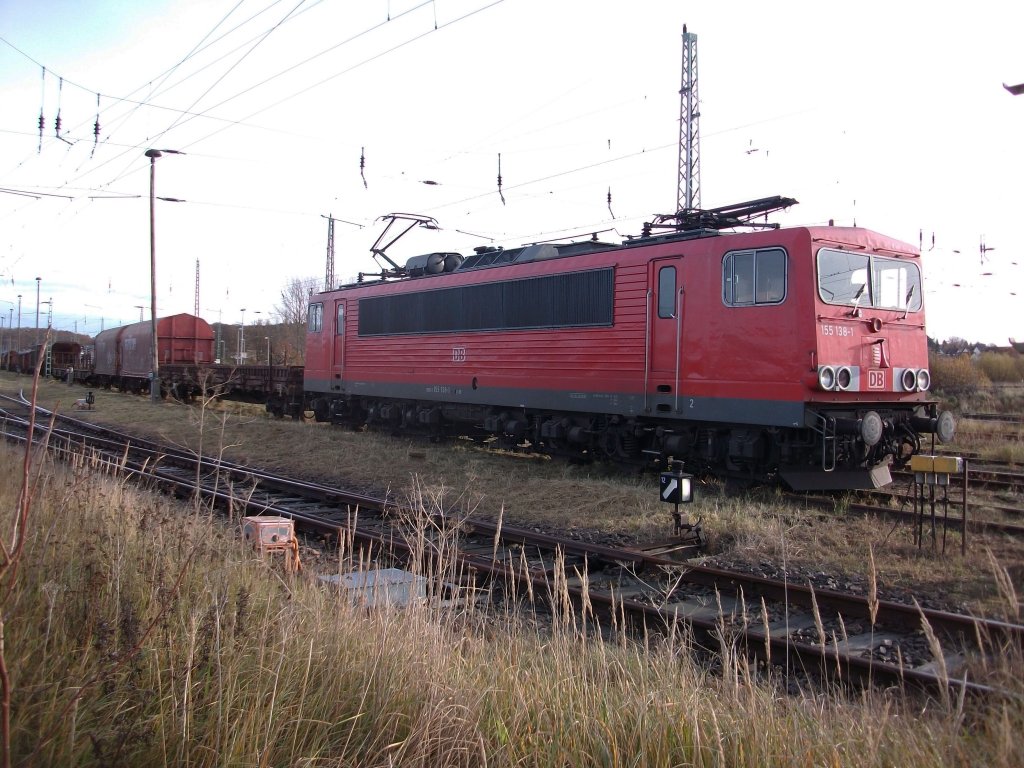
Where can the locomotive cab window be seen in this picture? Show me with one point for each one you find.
(860, 280)
(667, 292)
(339, 326)
(316, 318)
(754, 277)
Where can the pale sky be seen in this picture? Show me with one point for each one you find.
(890, 115)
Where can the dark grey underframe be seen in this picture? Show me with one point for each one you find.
(662, 406)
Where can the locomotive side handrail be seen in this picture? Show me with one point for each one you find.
(827, 430)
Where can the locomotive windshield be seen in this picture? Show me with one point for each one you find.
(843, 278)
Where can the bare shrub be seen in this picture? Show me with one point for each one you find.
(1001, 367)
(956, 375)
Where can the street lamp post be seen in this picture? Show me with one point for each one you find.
(153, 154)
(257, 322)
(154, 385)
(268, 349)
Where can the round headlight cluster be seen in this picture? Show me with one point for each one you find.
(827, 377)
(839, 378)
(914, 380)
(844, 378)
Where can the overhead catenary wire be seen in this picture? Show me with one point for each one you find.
(205, 113)
(166, 73)
(228, 123)
(230, 69)
(146, 102)
(536, 180)
(362, 170)
(345, 71)
(154, 90)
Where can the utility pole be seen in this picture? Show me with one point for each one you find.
(688, 191)
(196, 312)
(154, 375)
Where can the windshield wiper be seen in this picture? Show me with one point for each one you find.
(855, 312)
(906, 303)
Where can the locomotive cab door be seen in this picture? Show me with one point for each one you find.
(338, 353)
(665, 324)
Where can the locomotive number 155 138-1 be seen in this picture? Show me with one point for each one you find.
(836, 330)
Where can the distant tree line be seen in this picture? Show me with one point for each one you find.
(959, 367)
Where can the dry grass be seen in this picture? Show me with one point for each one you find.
(594, 502)
(991, 440)
(144, 633)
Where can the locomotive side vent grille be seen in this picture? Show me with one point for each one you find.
(567, 300)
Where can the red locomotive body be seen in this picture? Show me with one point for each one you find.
(795, 353)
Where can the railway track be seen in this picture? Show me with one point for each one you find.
(792, 626)
(1001, 418)
(980, 477)
(905, 512)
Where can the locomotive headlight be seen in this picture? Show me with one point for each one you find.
(924, 380)
(844, 378)
(909, 380)
(827, 377)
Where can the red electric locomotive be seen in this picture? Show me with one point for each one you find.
(795, 353)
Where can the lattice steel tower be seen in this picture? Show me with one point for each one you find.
(329, 275)
(688, 196)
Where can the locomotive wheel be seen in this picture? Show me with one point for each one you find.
(321, 410)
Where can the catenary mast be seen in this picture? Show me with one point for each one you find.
(688, 195)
